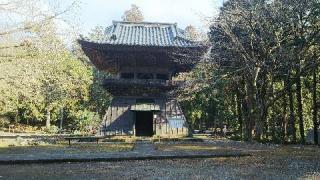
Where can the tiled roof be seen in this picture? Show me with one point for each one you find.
(145, 34)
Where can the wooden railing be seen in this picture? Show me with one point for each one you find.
(146, 82)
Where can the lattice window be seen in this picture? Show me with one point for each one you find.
(127, 75)
(145, 76)
(163, 76)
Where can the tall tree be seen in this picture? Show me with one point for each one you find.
(38, 74)
(134, 14)
(191, 33)
(315, 106)
(249, 40)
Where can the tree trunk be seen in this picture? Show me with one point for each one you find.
(292, 128)
(245, 120)
(239, 113)
(48, 118)
(315, 108)
(261, 122)
(249, 107)
(61, 117)
(270, 124)
(284, 116)
(299, 103)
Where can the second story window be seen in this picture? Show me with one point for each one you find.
(163, 76)
(145, 76)
(127, 75)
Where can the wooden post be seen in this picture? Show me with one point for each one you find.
(154, 123)
(105, 123)
(165, 115)
(117, 116)
(134, 123)
(111, 113)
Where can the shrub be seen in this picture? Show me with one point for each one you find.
(52, 130)
(86, 120)
(4, 121)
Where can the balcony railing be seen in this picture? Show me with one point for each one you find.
(143, 82)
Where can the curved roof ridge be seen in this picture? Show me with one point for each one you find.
(147, 34)
(143, 22)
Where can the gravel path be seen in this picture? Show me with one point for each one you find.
(144, 147)
(142, 150)
(218, 168)
(266, 162)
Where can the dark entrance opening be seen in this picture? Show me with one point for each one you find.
(144, 123)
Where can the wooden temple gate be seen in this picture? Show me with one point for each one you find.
(143, 57)
(120, 117)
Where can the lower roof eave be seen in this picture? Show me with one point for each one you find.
(134, 47)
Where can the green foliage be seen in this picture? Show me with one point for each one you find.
(52, 130)
(262, 49)
(4, 121)
(99, 99)
(45, 76)
(205, 105)
(259, 51)
(86, 120)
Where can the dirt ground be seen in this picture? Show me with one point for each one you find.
(284, 162)
(66, 149)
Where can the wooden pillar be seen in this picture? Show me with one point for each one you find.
(165, 115)
(111, 114)
(154, 124)
(134, 124)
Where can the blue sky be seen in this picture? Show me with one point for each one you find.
(183, 12)
(90, 13)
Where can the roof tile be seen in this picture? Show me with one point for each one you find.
(146, 34)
